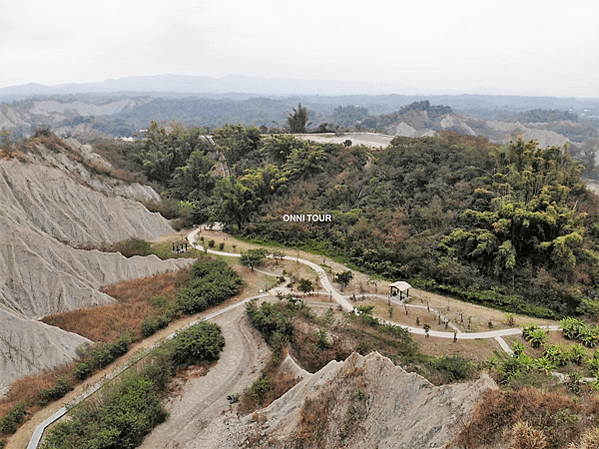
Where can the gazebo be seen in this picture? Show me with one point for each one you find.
(400, 287)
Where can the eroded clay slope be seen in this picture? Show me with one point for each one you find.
(363, 402)
(52, 203)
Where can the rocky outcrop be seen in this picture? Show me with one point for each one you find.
(404, 130)
(363, 402)
(423, 120)
(52, 204)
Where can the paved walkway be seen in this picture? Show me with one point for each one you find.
(39, 430)
(334, 294)
(322, 276)
(344, 302)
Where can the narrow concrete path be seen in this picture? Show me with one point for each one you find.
(36, 437)
(334, 294)
(344, 302)
(322, 276)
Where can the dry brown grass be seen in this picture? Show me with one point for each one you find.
(313, 418)
(590, 440)
(476, 350)
(104, 323)
(26, 389)
(499, 411)
(108, 322)
(527, 437)
(312, 357)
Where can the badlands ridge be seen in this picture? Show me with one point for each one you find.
(53, 204)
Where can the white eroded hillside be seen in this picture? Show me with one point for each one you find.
(362, 402)
(52, 204)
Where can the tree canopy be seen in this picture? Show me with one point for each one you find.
(509, 226)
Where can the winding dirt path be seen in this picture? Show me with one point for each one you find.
(191, 423)
(204, 398)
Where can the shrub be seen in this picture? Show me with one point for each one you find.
(121, 346)
(149, 326)
(124, 411)
(122, 414)
(538, 338)
(190, 303)
(212, 282)
(535, 335)
(578, 354)
(158, 366)
(197, 343)
(60, 388)
(164, 319)
(103, 354)
(452, 368)
(14, 416)
(589, 440)
(572, 328)
(83, 370)
(593, 364)
(526, 437)
(270, 319)
(133, 247)
(557, 355)
(259, 389)
(305, 286)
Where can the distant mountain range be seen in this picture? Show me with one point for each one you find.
(233, 86)
(123, 107)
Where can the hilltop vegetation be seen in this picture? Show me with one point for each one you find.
(511, 227)
(88, 117)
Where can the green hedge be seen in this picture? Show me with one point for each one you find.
(14, 416)
(212, 282)
(124, 411)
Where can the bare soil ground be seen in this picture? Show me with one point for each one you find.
(204, 399)
(20, 439)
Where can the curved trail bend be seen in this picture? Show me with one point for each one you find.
(344, 302)
(204, 398)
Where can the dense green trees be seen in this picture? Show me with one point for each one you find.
(235, 202)
(527, 217)
(166, 150)
(506, 226)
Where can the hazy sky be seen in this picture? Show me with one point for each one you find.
(548, 47)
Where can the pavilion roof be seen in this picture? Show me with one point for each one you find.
(402, 286)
